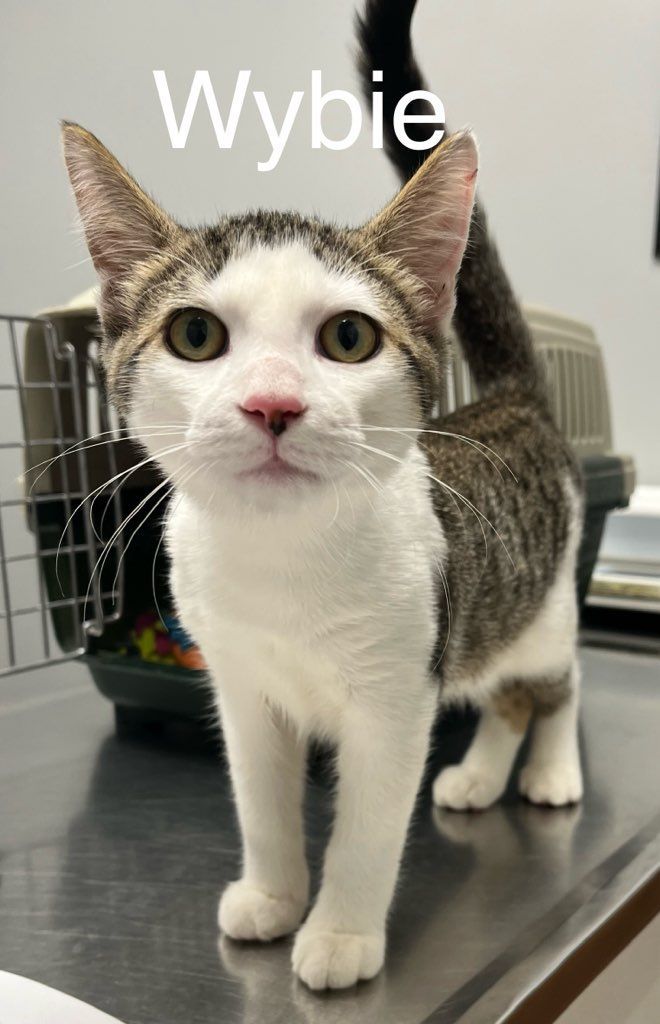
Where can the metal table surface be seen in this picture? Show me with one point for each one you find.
(113, 853)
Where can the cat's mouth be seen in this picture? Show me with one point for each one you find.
(278, 470)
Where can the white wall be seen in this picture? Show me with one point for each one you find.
(563, 96)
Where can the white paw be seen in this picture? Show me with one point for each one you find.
(247, 913)
(327, 959)
(462, 788)
(553, 784)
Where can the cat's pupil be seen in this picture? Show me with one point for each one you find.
(348, 334)
(197, 331)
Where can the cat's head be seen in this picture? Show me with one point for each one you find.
(269, 346)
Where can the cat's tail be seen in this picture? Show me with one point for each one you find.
(494, 335)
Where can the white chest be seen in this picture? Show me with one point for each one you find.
(309, 624)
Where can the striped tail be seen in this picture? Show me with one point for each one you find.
(495, 338)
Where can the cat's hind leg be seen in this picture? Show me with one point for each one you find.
(481, 777)
(552, 774)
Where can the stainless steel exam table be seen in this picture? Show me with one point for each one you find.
(113, 853)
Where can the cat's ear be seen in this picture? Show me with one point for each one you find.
(426, 225)
(122, 224)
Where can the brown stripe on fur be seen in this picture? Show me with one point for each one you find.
(514, 704)
(517, 700)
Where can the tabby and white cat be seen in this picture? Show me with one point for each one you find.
(342, 558)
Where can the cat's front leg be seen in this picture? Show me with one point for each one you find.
(267, 765)
(381, 757)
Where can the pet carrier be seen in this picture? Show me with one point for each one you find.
(51, 546)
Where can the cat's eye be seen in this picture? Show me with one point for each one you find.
(349, 338)
(197, 335)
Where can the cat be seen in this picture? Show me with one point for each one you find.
(345, 558)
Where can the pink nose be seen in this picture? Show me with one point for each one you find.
(273, 414)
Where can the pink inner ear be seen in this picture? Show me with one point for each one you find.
(454, 256)
(435, 255)
(122, 223)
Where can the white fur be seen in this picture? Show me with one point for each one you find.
(313, 600)
(553, 774)
(479, 780)
(544, 650)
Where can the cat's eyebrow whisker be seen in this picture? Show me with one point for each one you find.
(189, 261)
(78, 263)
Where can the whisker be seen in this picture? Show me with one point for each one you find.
(445, 587)
(97, 490)
(477, 512)
(336, 515)
(468, 441)
(153, 568)
(105, 554)
(441, 573)
(137, 529)
(150, 512)
(474, 442)
(360, 470)
(123, 479)
(453, 494)
(74, 448)
(207, 466)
